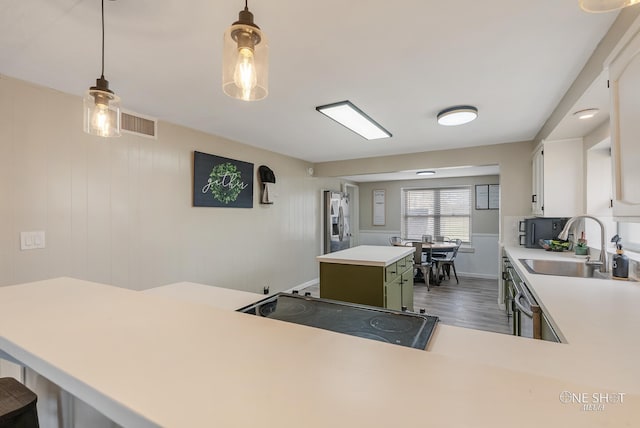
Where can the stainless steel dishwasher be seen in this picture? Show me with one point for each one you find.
(527, 318)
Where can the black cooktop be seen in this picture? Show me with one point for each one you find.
(400, 328)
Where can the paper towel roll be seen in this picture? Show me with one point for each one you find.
(267, 193)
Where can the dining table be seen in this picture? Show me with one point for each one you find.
(429, 248)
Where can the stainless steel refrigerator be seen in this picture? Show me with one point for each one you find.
(337, 234)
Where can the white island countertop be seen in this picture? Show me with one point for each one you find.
(367, 255)
(151, 361)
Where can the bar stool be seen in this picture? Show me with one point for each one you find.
(17, 405)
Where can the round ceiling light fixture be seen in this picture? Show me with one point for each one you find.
(458, 115)
(425, 173)
(587, 113)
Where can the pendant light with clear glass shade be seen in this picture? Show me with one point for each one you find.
(605, 5)
(101, 105)
(245, 61)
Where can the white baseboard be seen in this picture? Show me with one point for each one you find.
(477, 275)
(303, 285)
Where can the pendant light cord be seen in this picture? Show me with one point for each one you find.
(102, 71)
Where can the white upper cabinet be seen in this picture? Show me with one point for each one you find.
(598, 190)
(537, 194)
(558, 189)
(624, 84)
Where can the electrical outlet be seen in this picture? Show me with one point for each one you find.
(32, 240)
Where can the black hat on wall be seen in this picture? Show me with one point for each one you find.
(266, 174)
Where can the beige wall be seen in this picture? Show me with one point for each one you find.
(119, 211)
(513, 159)
(484, 221)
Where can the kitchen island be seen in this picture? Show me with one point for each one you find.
(148, 361)
(369, 275)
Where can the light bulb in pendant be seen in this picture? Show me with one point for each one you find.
(102, 110)
(245, 61)
(244, 74)
(100, 120)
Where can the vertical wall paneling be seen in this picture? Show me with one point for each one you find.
(56, 191)
(99, 209)
(29, 177)
(8, 238)
(79, 203)
(119, 211)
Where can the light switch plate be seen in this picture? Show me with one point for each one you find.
(32, 240)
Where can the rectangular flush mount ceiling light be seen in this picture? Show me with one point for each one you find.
(355, 119)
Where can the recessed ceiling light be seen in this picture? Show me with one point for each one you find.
(350, 116)
(425, 172)
(587, 113)
(458, 115)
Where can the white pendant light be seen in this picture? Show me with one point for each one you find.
(605, 5)
(245, 60)
(458, 115)
(101, 105)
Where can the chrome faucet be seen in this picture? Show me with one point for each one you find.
(603, 251)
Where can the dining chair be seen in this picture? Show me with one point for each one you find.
(395, 240)
(439, 238)
(446, 263)
(422, 266)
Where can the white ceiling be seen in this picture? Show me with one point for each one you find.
(596, 96)
(401, 62)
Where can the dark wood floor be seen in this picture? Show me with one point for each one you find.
(470, 304)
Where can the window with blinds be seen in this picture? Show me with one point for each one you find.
(437, 212)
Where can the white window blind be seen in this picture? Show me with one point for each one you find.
(437, 212)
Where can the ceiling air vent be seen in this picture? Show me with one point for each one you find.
(135, 124)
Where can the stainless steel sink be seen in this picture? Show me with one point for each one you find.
(561, 268)
(564, 268)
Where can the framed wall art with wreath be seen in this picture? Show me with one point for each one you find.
(221, 182)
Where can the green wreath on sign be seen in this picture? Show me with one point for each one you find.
(226, 182)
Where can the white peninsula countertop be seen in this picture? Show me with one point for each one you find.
(597, 319)
(219, 297)
(367, 255)
(147, 360)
